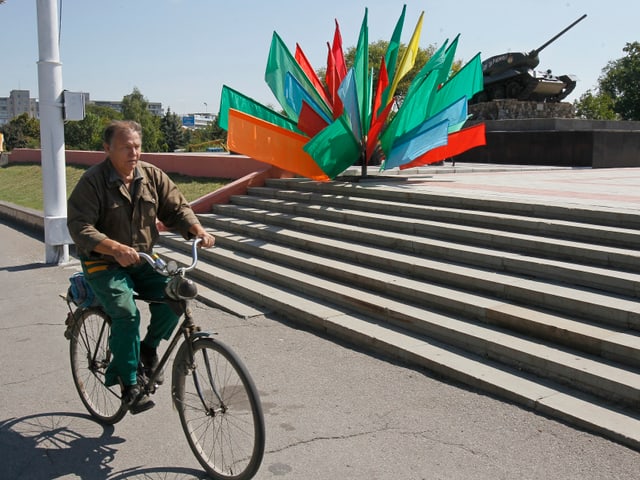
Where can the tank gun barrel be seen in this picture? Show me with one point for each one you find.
(544, 45)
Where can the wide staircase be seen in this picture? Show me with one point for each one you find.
(534, 304)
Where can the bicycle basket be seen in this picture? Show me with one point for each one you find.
(80, 292)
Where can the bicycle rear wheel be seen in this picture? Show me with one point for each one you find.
(219, 409)
(90, 356)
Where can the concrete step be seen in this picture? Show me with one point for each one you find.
(492, 307)
(399, 193)
(272, 211)
(547, 227)
(570, 367)
(557, 401)
(535, 303)
(422, 257)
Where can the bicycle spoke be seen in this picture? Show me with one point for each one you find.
(220, 411)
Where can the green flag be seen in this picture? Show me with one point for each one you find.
(335, 148)
(467, 82)
(391, 57)
(361, 71)
(230, 98)
(279, 62)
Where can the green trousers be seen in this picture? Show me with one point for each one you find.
(114, 287)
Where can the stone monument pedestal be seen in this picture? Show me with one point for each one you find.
(515, 137)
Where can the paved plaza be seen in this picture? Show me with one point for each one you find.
(332, 411)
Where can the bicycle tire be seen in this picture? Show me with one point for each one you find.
(90, 355)
(219, 409)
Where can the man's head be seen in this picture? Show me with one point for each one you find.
(123, 144)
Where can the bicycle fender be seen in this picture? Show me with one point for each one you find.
(197, 335)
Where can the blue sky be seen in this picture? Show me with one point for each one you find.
(181, 52)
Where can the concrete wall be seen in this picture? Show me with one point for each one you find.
(559, 142)
(212, 165)
(246, 172)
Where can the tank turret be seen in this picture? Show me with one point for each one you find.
(513, 75)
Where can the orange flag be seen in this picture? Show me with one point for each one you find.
(271, 144)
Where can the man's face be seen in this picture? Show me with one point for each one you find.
(124, 151)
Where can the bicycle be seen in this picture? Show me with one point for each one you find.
(219, 408)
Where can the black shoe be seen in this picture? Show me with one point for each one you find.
(149, 359)
(136, 400)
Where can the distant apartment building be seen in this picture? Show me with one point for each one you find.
(20, 101)
(197, 120)
(17, 103)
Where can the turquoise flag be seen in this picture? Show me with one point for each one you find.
(418, 144)
(296, 94)
(279, 62)
(349, 96)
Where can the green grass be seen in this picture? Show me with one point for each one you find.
(22, 184)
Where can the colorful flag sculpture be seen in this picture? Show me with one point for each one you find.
(330, 126)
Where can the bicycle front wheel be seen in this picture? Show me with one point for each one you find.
(219, 409)
(90, 356)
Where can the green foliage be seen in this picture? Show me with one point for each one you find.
(621, 81)
(22, 131)
(597, 106)
(172, 132)
(618, 93)
(86, 134)
(135, 107)
(159, 134)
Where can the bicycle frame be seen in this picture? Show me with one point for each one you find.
(187, 330)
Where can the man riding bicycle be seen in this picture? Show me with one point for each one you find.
(112, 214)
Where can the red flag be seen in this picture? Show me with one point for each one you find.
(459, 142)
(376, 128)
(304, 63)
(383, 83)
(309, 121)
(338, 54)
(378, 121)
(333, 83)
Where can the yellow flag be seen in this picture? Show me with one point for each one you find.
(409, 57)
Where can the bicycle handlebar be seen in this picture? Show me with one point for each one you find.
(171, 269)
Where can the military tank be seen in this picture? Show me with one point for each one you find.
(513, 75)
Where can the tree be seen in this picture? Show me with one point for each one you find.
(598, 106)
(22, 131)
(136, 107)
(621, 82)
(172, 132)
(86, 134)
(618, 92)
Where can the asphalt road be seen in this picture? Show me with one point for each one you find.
(332, 411)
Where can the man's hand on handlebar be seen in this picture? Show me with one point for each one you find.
(208, 240)
(126, 256)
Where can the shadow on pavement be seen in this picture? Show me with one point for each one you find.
(53, 445)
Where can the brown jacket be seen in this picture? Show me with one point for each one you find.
(100, 207)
